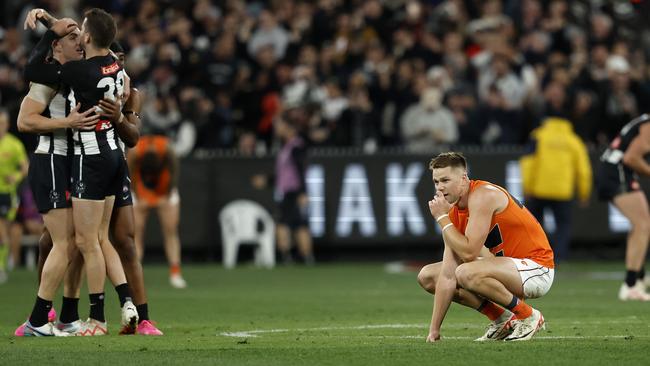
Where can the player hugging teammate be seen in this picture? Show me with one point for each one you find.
(78, 170)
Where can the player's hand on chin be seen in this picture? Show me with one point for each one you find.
(439, 206)
(433, 337)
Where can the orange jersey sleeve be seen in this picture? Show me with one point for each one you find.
(514, 232)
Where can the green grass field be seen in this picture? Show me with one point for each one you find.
(351, 314)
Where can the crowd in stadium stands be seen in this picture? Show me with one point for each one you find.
(367, 73)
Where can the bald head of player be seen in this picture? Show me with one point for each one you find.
(449, 171)
(98, 30)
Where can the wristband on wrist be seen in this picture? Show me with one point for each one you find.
(133, 113)
(441, 217)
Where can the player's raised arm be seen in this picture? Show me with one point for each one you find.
(38, 15)
(36, 69)
(445, 289)
(639, 147)
(468, 246)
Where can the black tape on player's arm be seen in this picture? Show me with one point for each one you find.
(44, 21)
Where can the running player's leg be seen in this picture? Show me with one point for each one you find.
(634, 206)
(140, 212)
(169, 213)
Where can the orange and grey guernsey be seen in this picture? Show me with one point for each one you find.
(514, 232)
(163, 181)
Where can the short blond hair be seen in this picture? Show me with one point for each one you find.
(451, 158)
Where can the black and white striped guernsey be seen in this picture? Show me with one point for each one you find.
(58, 142)
(90, 80)
(616, 150)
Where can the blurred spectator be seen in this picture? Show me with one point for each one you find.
(264, 56)
(463, 106)
(13, 168)
(428, 123)
(268, 33)
(160, 115)
(357, 126)
(556, 167)
(290, 190)
(620, 103)
(28, 221)
(500, 77)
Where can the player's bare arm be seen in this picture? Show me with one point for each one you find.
(37, 69)
(445, 289)
(639, 147)
(482, 204)
(36, 15)
(30, 119)
(126, 120)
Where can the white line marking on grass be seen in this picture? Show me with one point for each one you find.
(253, 333)
(256, 332)
(537, 337)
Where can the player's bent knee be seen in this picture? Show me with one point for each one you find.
(86, 245)
(427, 279)
(466, 275)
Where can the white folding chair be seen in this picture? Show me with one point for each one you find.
(240, 224)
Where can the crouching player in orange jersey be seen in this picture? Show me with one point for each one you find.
(496, 254)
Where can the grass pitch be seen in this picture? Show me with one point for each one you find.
(351, 314)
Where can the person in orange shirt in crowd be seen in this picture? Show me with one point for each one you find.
(154, 166)
(496, 254)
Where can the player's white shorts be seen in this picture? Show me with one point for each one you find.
(536, 279)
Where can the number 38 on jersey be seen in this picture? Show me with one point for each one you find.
(113, 86)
